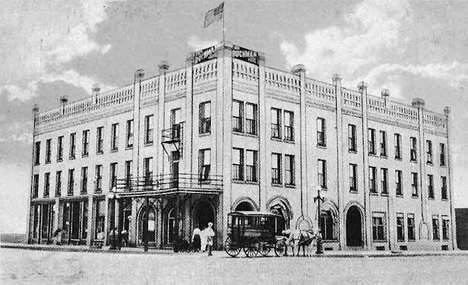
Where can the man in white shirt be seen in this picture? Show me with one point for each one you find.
(209, 233)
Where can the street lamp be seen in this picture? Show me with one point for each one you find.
(319, 199)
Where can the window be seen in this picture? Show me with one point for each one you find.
(321, 138)
(384, 180)
(383, 143)
(398, 182)
(251, 157)
(322, 173)
(71, 182)
(100, 140)
(352, 140)
(435, 228)
(113, 174)
(327, 225)
(400, 219)
(114, 137)
(204, 156)
(60, 148)
(414, 184)
(176, 126)
(149, 126)
(353, 177)
(100, 219)
(413, 149)
(410, 223)
(128, 174)
(46, 184)
(430, 186)
(84, 180)
(445, 228)
(48, 150)
(429, 151)
(442, 154)
(444, 188)
(275, 123)
(237, 112)
(237, 164)
(58, 183)
(35, 188)
(371, 133)
(378, 226)
(397, 146)
(289, 174)
(276, 168)
(98, 188)
(372, 179)
(37, 153)
(85, 150)
(251, 118)
(72, 154)
(205, 117)
(148, 170)
(129, 136)
(288, 126)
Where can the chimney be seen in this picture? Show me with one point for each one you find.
(297, 69)
(418, 103)
(95, 92)
(139, 75)
(35, 111)
(362, 86)
(163, 67)
(336, 79)
(385, 93)
(63, 101)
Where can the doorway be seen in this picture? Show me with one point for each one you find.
(203, 214)
(353, 227)
(151, 226)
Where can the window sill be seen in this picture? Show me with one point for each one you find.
(436, 240)
(47, 162)
(37, 164)
(415, 196)
(352, 151)
(247, 135)
(289, 141)
(429, 163)
(414, 161)
(278, 139)
(293, 186)
(398, 158)
(85, 155)
(321, 146)
(148, 144)
(444, 166)
(384, 194)
(372, 154)
(238, 181)
(373, 193)
(411, 240)
(431, 198)
(99, 152)
(276, 184)
(399, 195)
(384, 156)
(59, 160)
(129, 147)
(379, 240)
(444, 199)
(114, 150)
(353, 191)
(204, 134)
(401, 240)
(72, 158)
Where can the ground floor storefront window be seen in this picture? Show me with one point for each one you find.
(75, 222)
(42, 223)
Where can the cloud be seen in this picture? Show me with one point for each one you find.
(16, 132)
(197, 44)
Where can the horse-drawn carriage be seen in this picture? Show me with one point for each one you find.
(256, 233)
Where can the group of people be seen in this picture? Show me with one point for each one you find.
(202, 240)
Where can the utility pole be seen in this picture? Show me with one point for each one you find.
(145, 223)
(319, 199)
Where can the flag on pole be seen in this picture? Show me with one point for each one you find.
(214, 15)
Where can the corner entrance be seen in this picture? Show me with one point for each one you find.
(353, 227)
(203, 214)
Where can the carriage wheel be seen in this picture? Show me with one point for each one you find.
(251, 247)
(231, 248)
(280, 248)
(264, 248)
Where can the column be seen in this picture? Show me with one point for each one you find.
(138, 77)
(91, 219)
(159, 161)
(263, 136)
(188, 130)
(450, 179)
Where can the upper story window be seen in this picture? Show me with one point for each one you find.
(237, 116)
(322, 173)
(37, 153)
(85, 151)
(60, 148)
(399, 182)
(442, 154)
(48, 151)
(397, 146)
(414, 184)
(72, 146)
(371, 133)
(430, 186)
(429, 151)
(413, 149)
(373, 179)
(289, 170)
(58, 183)
(251, 118)
(100, 140)
(113, 174)
(237, 164)
(276, 168)
(114, 137)
(383, 143)
(321, 132)
(352, 139)
(353, 177)
(98, 178)
(251, 162)
(384, 180)
(288, 126)
(204, 164)
(275, 123)
(444, 193)
(128, 173)
(205, 117)
(35, 187)
(84, 180)
(71, 182)
(46, 184)
(148, 170)
(149, 128)
(129, 136)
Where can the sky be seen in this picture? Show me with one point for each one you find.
(53, 48)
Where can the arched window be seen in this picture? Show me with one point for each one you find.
(328, 222)
(170, 226)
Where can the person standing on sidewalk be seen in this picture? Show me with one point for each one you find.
(209, 237)
(196, 241)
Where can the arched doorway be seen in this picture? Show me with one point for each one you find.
(151, 222)
(245, 206)
(203, 214)
(353, 227)
(169, 227)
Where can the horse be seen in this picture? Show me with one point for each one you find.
(300, 238)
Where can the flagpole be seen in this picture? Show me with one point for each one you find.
(223, 22)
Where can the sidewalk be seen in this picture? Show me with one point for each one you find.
(139, 250)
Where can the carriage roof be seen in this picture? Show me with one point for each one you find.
(253, 214)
